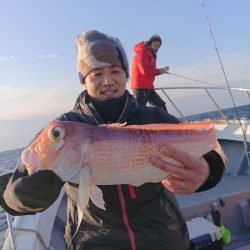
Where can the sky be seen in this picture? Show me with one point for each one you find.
(38, 74)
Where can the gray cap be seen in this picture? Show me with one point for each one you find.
(97, 50)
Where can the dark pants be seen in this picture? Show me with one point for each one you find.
(143, 96)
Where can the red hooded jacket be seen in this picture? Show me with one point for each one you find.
(144, 67)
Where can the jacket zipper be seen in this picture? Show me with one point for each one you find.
(131, 234)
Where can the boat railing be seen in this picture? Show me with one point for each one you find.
(11, 228)
(243, 122)
(206, 89)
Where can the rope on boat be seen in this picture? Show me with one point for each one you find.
(225, 76)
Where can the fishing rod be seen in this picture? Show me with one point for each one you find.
(192, 79)
(225, 76)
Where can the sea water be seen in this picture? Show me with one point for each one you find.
(9, 159)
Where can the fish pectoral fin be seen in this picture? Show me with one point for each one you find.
(82, 196)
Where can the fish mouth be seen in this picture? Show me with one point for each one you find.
(30, 159)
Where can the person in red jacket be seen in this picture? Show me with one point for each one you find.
(144, 71)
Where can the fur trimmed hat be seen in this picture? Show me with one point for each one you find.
(96, 50)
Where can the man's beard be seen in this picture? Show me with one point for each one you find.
(154, 51)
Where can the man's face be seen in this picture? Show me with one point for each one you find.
(106, 83)
(155, 45)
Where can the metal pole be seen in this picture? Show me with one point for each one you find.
(228, 86)
(248, 93)
(183, 117)
(10, 223)
(215, 103)
(11, 231)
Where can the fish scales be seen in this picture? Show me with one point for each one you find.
(136, 148)
(127, 158)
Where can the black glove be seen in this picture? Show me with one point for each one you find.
(4, 179)
(217, 168)
(28, 194)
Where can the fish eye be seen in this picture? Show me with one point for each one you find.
(56, 133)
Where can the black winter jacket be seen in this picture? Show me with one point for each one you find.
(118, 216)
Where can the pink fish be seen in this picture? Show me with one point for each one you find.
(108, 153)
(112, 154)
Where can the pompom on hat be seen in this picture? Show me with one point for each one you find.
(96, 50)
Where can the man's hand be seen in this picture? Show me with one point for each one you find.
(184, 179)
(164, 70)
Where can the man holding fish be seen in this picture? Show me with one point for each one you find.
(124, 202)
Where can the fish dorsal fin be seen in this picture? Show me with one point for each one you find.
(193, 126)
(114, 125)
